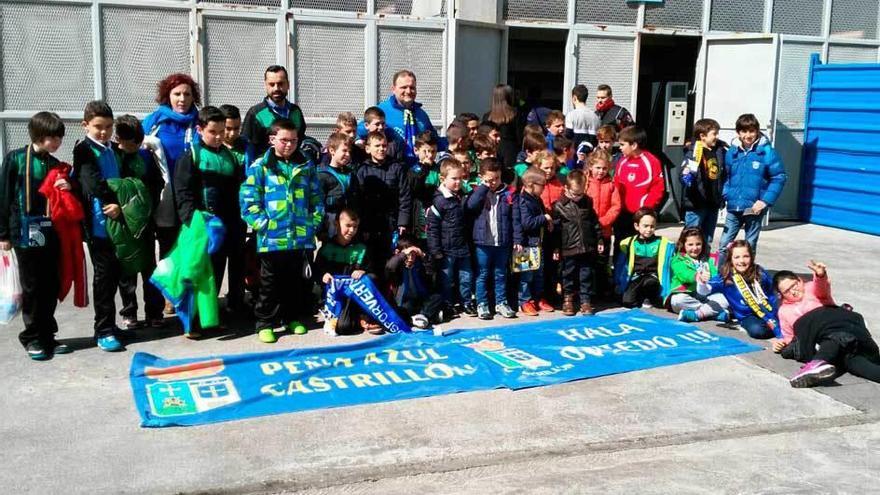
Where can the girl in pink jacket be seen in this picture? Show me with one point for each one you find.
(815, 331)
(798, 297)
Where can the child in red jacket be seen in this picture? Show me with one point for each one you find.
(639, 180)
(606, 201)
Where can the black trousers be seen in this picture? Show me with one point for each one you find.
(577, 276)
(166, 236)
(623, 227)
(231, 252)
(856, 361)
(641, 288)
(430, 307)
(38, 274)
(602, 270)
(105, 281)
(153, 301)
(284, 294)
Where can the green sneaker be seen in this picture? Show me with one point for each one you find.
(297, 328)
(267, 336)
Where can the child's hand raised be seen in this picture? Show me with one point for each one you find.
(327, 278)
(703, 277)
(818, 268)
(357, 274)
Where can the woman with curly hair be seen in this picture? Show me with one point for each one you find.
(170, 132)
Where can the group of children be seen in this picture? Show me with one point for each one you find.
(446, 233)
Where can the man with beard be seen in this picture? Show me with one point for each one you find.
(274, 106)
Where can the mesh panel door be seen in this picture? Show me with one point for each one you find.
(321, 131)
(46, 56)
(738, 16)
(329, 69)
(605, 12)
(16, 136)
(854, 18)
(549, 10)
(676, 13)
(794, 64)
(798, 17)
(237, 51)
(338, 5)
(249, 3)
(838, 54)
(420, 52)
(141, 47)
(607, 61)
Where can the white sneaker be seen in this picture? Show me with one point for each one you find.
(646, 304)
(421, 321)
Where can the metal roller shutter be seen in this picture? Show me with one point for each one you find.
(607, 61)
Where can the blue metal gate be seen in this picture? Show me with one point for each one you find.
(841, 165)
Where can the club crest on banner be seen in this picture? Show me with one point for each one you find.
(172, 394)
(509, 358)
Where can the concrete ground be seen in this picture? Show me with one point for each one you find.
(724, 425)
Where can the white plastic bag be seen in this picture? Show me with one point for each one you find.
(10, 287)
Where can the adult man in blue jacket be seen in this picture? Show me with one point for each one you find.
(755, 178)
(404, 115)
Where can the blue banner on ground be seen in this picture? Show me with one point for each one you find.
(184, 392)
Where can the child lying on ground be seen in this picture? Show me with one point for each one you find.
(821, 334)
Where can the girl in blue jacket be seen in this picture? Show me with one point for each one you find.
(749, 291)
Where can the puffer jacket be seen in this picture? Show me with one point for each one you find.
(381, 192)
(752, 174)
(579, 228)
(528, 221)
(738, 306)
(446, 225)
(127, 231)
(606, 202)
(282, 202)
(480, 203)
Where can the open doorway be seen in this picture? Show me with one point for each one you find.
(664, 59)
(536, 65)
(667, 70)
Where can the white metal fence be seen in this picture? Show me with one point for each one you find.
(57, 55)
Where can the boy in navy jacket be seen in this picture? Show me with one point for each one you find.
(447, 242)
(754, 181)
(492, 203)
(529, 222)
(93, 163)
(381, 192)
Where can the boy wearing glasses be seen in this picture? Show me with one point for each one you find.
(281, 200)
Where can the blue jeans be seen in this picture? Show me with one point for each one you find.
(452, 269)
(705, 220)
(735, 221)
(494, 260)
(756, 327)
(531, 285)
